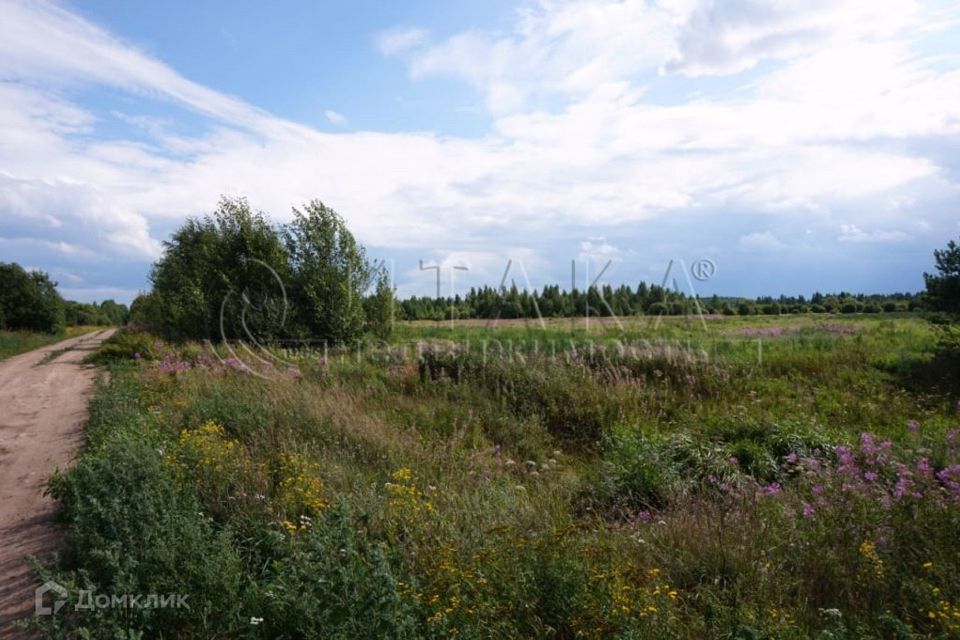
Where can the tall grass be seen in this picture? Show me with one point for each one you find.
(16, 342)
(681, 492)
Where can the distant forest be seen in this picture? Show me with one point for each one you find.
(29, 301)
(554, 302)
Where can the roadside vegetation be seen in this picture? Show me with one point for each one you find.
(652, 477)
(33, 314)
(448, 492)
(16, 342)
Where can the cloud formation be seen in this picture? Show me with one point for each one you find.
(601, 119)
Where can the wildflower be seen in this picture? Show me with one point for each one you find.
(255, 620)
(808, 510)
(771, 489)
(928, 565)
(913, 425)
(869, 552)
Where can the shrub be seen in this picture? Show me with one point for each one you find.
(333, 581)
(132, 531)
(126, 345)
(658, 309)
(641, 472)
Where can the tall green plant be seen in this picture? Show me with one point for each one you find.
(329, 273)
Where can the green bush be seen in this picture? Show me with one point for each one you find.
(130, 530)
(126, 345)
(336, 582)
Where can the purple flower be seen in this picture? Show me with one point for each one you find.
(771, 489)
(870, 476)
(951, 436)
(136, 355)
(808, 510)
(913, 425)
(950, 477)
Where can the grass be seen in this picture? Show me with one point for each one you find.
(16, 342)
(755, 478)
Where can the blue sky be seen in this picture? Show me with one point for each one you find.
(799, 146)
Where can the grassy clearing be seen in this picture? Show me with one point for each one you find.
(15, 342)
(665, 481)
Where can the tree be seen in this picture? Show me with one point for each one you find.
(943, 290)
(329, 273)
(29, 300)
(221, 277)
(379, 307)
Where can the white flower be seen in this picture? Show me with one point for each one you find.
(255, 621)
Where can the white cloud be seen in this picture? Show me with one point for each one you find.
(852, 233)
(760, 241)
(725, 38)
(598, 250)
(334, 118)
(566, 47)
(839, 122)
(400, 40)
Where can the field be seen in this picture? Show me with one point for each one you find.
(762, 477)
(14, 342)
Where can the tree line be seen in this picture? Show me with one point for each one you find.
(646, 299)
(29, 301)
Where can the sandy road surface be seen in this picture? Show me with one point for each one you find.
(43, 407)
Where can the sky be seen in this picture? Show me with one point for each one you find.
(797, 146)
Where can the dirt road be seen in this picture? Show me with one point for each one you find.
(43, 407)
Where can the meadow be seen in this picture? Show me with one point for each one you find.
(739, 477)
